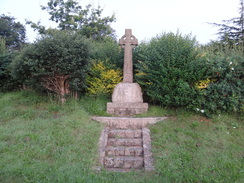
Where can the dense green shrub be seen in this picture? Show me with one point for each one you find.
(226, 92)
(56, 62)
(168, 69)
(12, 32)
(108, 51)
(7, 82)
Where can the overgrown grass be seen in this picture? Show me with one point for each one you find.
(43, 141)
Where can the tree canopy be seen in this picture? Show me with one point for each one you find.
(69, 15)
(232, 31)
(12, 32)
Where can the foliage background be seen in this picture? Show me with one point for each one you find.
(170, 68)
(226, 91)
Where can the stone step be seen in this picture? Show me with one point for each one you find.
(123, 162)
(124, 151)
(117, 133)
(124, 142)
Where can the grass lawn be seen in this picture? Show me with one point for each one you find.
(42, 141)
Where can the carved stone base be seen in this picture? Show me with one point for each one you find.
(127, 100)
(127, 93)
(126, 109)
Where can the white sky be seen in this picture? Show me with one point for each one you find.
(146, 18)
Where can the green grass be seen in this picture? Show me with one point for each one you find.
(43, 141)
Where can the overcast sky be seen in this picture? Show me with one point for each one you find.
(146, 18)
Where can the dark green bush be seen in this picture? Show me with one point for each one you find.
(168, 69)
(7, 82)
(226, 92)
(108, 51)
(58, 54)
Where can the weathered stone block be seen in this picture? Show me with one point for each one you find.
(124, 142)
(138, 152)
(127, 152)
(127, 93)
(118, 163)
(129, 134)
(148, 160)
(123, 162)
(138, 163)
(108, 162)
(110, 152)
(132, 142)
(137, 134)
(128, 164)
(120, 152)
(124, 151)
(127, 100)
(116, 134)
(126, 109)
(133, 151)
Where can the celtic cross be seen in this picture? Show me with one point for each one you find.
(128, 42)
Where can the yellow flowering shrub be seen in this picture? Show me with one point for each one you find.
(102, 80)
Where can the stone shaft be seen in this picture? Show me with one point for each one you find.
(128, 42)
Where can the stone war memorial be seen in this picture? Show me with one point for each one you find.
(127, 96)
(125, 142)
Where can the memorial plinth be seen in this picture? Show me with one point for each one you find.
(127, 100)
(127, 96)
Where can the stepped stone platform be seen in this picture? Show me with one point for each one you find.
(125, 143)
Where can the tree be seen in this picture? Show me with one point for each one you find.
(71, 16)
(57, 63)
(12, 32)
(232, 31)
